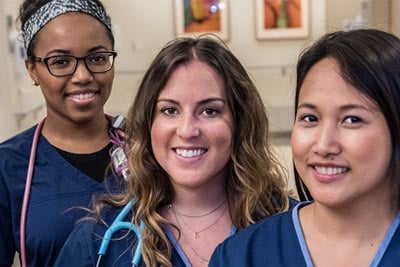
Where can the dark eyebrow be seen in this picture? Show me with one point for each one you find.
(343, 108)
(306, 105)
(211, 99)
(67, 52)
(202, 102)
(355, 106)
(99, 47)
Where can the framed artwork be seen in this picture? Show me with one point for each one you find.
(282, 19)
(195, 17)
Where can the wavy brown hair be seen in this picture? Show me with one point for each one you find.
(255, 185)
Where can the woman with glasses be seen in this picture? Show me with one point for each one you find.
(70, 56)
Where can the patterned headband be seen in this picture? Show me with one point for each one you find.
(58, 7)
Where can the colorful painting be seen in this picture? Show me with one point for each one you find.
(282, 19)
(195, 17)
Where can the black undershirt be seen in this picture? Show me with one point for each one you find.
(93, 165)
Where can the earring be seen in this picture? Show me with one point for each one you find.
(35, 83)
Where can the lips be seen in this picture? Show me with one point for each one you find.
(330, 170)
(82, 96)
(190, 153)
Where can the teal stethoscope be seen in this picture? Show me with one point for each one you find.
(118, 157)
(119, 224)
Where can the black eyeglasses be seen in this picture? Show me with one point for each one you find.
(64, 65)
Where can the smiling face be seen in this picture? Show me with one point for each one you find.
(341, 143)
(191, 133)
(82, 95)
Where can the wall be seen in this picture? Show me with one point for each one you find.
(21, 104)
(9, 125)
(269, 62)
(143, 27)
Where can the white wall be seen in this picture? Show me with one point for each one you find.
(270, 62)
(21, 104)
(8, 123)
(143, 27)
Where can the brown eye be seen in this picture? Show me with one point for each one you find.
(59, 61)
(352, 119)
(169, 111)
(308, 118)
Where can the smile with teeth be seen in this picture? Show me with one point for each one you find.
(330, 170)
(82, 96)
(190, 153)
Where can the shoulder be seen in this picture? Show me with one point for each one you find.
(22, 140)
(14, 157)
(87, 238)
(292, 202)
(392, 254)
(266, 243)
(262, 230)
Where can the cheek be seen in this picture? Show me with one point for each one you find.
(301, 141)
(371, 147)
(154, 136)
(160, 135)
(106, 79)
(222, 135)
(52, 87)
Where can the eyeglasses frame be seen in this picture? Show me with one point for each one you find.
(46, 59)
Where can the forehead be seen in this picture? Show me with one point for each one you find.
(194, 79)
(324, 85)
(72, 30)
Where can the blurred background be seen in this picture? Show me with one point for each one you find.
(143, 27)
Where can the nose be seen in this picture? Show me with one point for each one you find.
(188, 127)
(82, 73)
(327, 141)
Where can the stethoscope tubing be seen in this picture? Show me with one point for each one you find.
(119, 224)
(27, 191)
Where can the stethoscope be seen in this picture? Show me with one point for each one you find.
(119, 224)
(119, 164)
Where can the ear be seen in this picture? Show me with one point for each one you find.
(31, 68)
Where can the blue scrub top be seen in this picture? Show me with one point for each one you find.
(279, 241)
(57, 190)
(86, 238)
(81, 248)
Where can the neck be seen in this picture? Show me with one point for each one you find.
(82, 137)
(192, 215)
(193, 202)
(352, 222)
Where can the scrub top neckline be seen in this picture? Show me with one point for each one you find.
(304, 249)
(178, 247)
